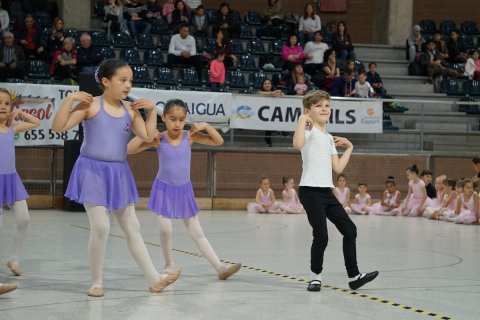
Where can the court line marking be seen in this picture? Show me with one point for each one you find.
(299, 279)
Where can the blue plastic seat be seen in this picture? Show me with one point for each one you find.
(160, 26)
(256, 47)
(164, 41)
(471, 87)
(145, 41)
(108, 53)
(42, 19)
(447, 26)
(469, 27)
(99, 38)
(236, 46)
(212, 15)
(188, 77)
(163, 75)
(253, 18)
(236, 79)
(469, 42)
(450, 87)
(428, 26)
(277, 46)
(210, 44)
(122, 40)
(74, 33)
(131, 56)
(257, 79)
(153, 57)
(37, 69)
(141, 75)
(246, 32)
(246, 62)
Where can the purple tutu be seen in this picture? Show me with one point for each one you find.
(173, 202)
(103, 183)
(11, 189)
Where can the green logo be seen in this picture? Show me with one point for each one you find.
(17, 136)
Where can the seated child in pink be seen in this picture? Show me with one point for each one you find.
(265, 199)
(417, 194)
(361, 200)
(467, 205)
(389, 206)
(342, 192)
(290, 203)
(449, 210)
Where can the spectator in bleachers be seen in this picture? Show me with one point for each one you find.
(274, 12)
(342, 43)
(456, 48)
(88, 57)
(375, 80)
(154, 10)
(330, 69)
(472, 67)
(427, 177)
(476, 168)
(167, 10)
(309, 24)
(291, 78)
(217, 69)
(350, 65)
(193, 4)
(363, 89)
(314, 51)
(64, 63)
(31, 40)
(12, 59)
(114, 17)
(181, 15)
(4, 20)
(182, 50)
(228, 20)
(300, 87)
(222, 43)
(56, 36)
(415, 43)
(292, 53)
(344, 86)
(200, 22)
(135, 13)
(432, 62)
(267, 89)
(440, 45)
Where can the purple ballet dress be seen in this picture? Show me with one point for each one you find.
(101, 175)
(172, 192)
(11, 187)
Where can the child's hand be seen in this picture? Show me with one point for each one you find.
(197, 127)
(342, 142)
(158, 137)
(308, 121)
(143, 104)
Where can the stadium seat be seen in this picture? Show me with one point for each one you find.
(428, 27)
(108, 53)
(99, 38)
(131, 56)
(37, 69)
(447, 26)
(236, 79)
(15, 80)
(164, 41)
(188, 77)
(246, 62)
(160, 26)
(163, 75)
(469, 28)
(471, 87)
(99, 8)
(212, 15)
(257, 79)
(141, 75)
(236, 46)
(450, 87)
(277, 46)
(145, 41)
(256, 47)
(327, 35)
(469, 42)
(153, 57)
(246, 32)
(42, 19)
(74, 33)
(122, 40)
(253, 18)
(209, 44)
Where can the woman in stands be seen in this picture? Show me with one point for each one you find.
(222, 43)
(472, 68)
(292, 53)
(309, 24)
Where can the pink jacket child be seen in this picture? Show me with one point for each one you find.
(217, 69)
(167, 10)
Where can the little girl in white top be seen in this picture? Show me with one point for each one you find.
(449, 211)
(467, 205)
(264, 200)
(433, 204)
(361, 200)
(390, 200)
(342, 192)
(416, 196)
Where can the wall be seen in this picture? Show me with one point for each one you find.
(439, 10)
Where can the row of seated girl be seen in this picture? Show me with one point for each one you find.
(455, 201)
(265, 201)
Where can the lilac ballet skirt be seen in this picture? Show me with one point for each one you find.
(173, 202)
(104, 183)
(11, 189)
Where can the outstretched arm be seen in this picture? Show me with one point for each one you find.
(66, 118)
(137, 145)
(211, 138)
(29, 122)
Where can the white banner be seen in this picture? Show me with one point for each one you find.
(42, 102)
(211, 107)
(281, 114)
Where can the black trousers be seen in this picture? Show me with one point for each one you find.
(320, 204)
(194, 61)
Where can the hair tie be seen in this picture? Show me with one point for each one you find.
(96, 75)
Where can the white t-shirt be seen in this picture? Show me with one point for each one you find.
(316, 50)
(178, 44)
(309, 24)
(363, 90)
(317, 159)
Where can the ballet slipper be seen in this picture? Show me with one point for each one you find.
(7, 287)
(230, 271)
(158, 287)
(14, 268)
(96, 292)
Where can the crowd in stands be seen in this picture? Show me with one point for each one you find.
(440, 199)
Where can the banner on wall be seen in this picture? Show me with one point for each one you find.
(281, 114)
